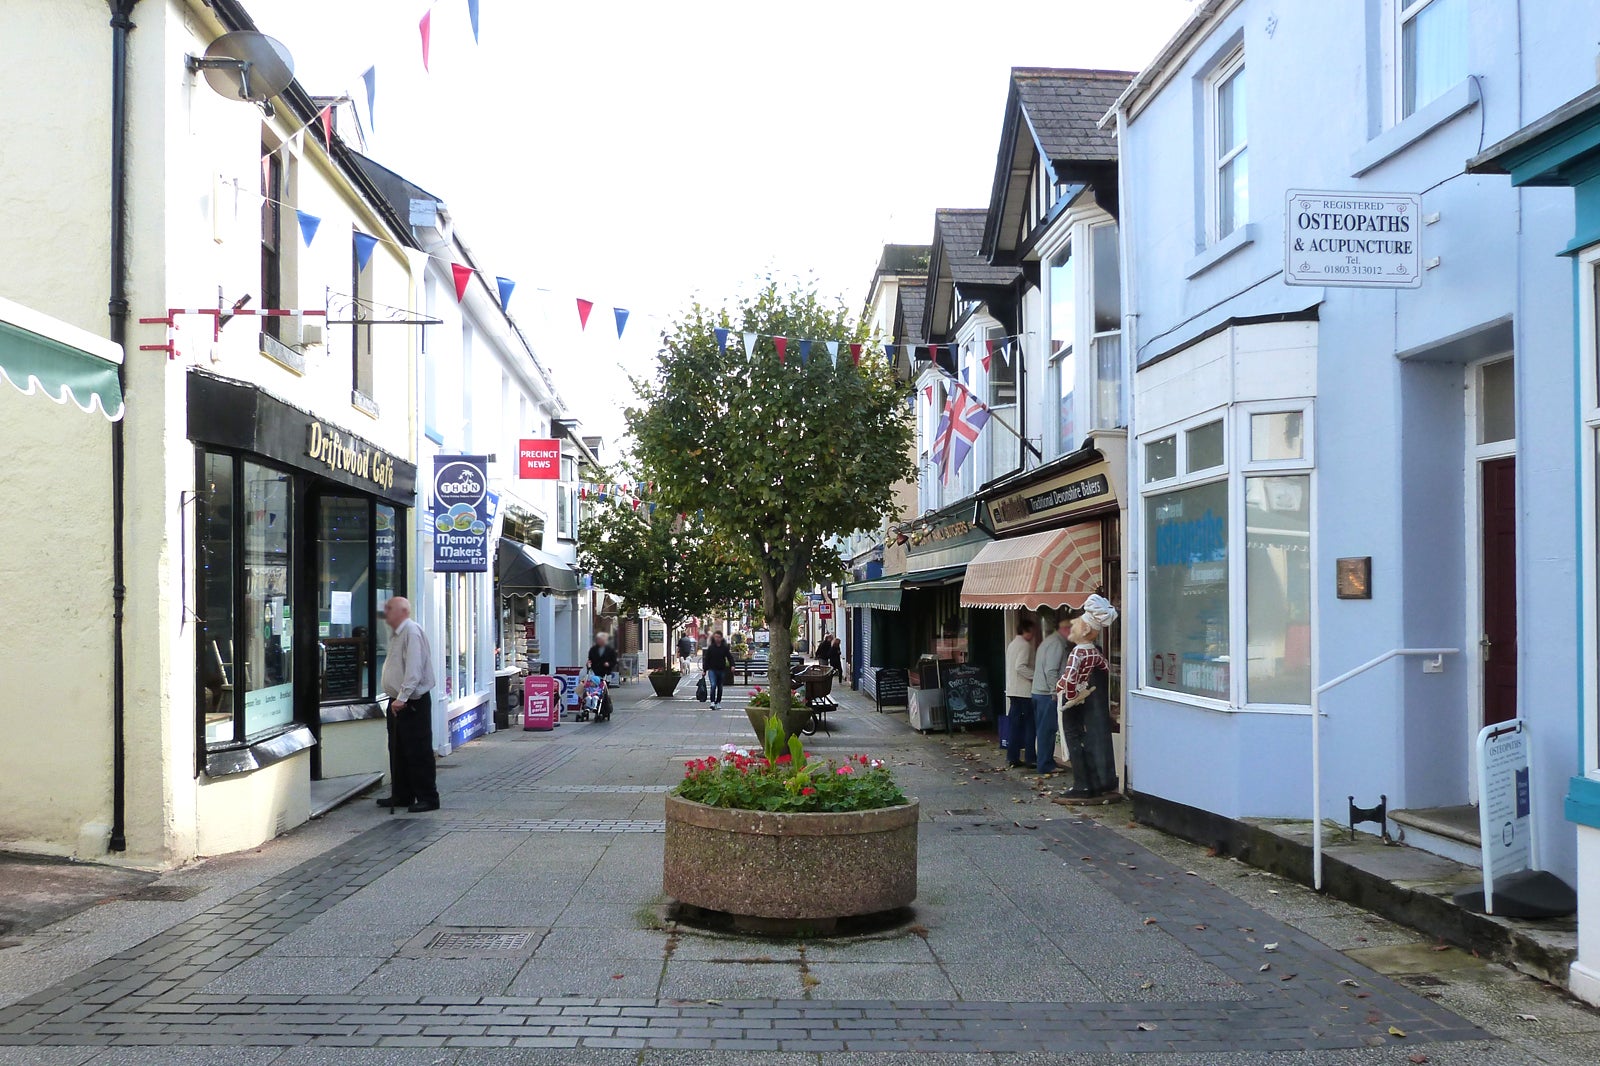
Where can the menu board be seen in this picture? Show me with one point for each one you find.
(342, 669)
(891, 687)
(966, 695)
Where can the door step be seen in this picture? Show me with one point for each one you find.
(330, 792)
(1451, 832)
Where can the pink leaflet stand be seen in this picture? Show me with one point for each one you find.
(541, 702)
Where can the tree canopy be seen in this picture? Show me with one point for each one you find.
(783, 456)
(653, 557)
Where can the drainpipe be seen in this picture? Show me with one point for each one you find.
(121, 24)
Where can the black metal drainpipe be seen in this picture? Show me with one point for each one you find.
(121, 23)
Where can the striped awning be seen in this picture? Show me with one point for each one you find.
(40, 354)
(1058, 568)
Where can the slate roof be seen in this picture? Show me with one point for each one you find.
(1064, 108)
(958, 234)
(912, 299)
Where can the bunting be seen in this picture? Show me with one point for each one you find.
(750, 344)
(780, 343)
(988, 355)
(805, 353)
(463, 274)
(622, 320)
(365, 243)
(370, 78)
(722, 339)
(855, 354)
(308, 225)
(833, 351)
(584, 307)
(426, 26)
(327, 128)
(472, 13)
(505, 285)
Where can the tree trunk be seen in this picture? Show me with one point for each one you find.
(780, 616)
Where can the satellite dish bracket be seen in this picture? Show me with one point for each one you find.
(198, 63)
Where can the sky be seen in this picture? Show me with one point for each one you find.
(646, 154)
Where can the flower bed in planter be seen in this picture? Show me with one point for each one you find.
(782, 841)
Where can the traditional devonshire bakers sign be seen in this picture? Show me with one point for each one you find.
(1356, 239)
(1083, 489)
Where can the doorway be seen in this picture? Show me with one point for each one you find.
(1494, 446)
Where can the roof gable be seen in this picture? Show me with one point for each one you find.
(959, 266)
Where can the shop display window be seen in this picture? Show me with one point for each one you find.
(217, 527)
(1187, 590)
(344, 598)
(388, 573)
(268, 667)
(1277, 567)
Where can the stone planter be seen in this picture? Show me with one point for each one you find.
(809, 869)
(665, 683)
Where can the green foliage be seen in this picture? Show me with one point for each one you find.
(788, 780)
(781, 457)
(676, 568)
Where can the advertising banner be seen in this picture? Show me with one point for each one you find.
(539, 459)
(1371, 240)
(461, 514)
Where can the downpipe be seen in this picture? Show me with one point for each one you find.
(121, 25)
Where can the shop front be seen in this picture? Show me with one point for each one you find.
(298, 545)
(945, 642)
(1058, 532)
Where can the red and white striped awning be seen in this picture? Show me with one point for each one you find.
(1058, 568)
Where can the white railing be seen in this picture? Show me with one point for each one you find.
(1437, 654)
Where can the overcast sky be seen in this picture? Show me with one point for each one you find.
(642, 154)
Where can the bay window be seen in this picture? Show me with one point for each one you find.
(1063, 339)
(1227, 557)
(1110, 405)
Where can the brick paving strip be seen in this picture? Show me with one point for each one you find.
(150, 995)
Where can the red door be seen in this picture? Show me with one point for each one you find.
(1499, 590)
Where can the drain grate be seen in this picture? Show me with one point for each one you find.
(472, 942)
(161, 893)
(479, 943)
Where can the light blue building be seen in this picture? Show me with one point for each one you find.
(1417, 438)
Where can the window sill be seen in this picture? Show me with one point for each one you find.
(434, 435)
(1200, 703)
(1402, 135)
(358, 711)
(1242, 237)
(262, 753)
(282, 354)
(364, 403)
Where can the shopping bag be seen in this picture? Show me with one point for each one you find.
(700, 691)
(1063, 757)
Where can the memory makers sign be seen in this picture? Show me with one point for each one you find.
(1363, 239)
(461, 514)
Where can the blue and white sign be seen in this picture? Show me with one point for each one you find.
(462, 514)
(1505, 803)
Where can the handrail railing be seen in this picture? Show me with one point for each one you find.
(1316, 740)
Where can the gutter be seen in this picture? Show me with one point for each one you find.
(121, 25)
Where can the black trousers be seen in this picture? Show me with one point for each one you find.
(411, 771)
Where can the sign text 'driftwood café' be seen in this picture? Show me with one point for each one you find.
(349, 454)
(1080, 490)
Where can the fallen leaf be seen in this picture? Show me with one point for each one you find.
(1527, 1017)
(1147, 1027)
(1199, 928)
(715, 1002)
(1349, 983)
(1273, 892)
(1440, 947)
(1363, 995)
(1393, 1031)
(1191, 873)
(1264, 967)
(1211, 853)
(1372, 1041)
(1416, 1056)
(1288, 977)
(1147, 986)
(1149, 921)
(1270, 947)
(808, 981)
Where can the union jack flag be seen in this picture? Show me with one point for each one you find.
(941, 436)
(967, 417)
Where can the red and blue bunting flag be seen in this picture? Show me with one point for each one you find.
(365, 243)
(780, 343)
(722, 339)
(622, 320)
(505, 285)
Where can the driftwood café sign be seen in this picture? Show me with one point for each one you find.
(346, 453)
(1080, 490)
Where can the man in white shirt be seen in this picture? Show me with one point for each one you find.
(1049, 664)
(408, 682)
(1019, 693)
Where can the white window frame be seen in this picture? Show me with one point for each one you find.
(1234, 64)
(1394, 71)
(1236, 468)
(1589, 572)
(1089, 374)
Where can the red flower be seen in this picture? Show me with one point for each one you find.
(862, 759)
(782, 759)
(808, 791)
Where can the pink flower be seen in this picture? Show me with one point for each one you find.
(845, 770)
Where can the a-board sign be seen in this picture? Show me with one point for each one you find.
(568, 676)
(891, 686)
(966, 695)
(342, 669)
(1505, 803)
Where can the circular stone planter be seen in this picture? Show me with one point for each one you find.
(665, 683)
(766, 870)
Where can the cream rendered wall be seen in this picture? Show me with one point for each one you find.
(354, 748)
(243, 811)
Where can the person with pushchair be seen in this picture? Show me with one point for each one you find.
(602, 664)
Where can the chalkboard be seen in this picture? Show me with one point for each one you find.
(890, 690)
(343, 671)
(966, 695)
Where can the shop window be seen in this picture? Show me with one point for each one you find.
(463, 599)
(344, 598)
(268, 668)
(1004, 447)
(1204, 448)
(1161, 459)
(1277, 436)
(361, 322)
(1063, 334)
(1110, 405)
(567, 499)
(1187, 590)
(388, 573)
(271, 238)
(1278, 588)
(1229, 172)
(214, 598)
(1433, 50)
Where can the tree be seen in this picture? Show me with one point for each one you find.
(784, 456)
(652, 556)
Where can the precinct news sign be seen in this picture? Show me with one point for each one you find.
(539, 460)
(461, 514)
(1365, 240)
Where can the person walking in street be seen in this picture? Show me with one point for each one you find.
(1019, 694)
(685, 652)
(602, 664)
(835, 657)
(1048, 665)
(718, 665)
(408, 682)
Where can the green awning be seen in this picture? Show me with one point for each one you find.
(882, 593)
(40, 354)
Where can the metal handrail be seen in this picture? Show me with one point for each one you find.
(1437, 654)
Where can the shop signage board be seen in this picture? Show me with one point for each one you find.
(539, 460)
(342, 668)
(1362, 240)
(347, 453)
(892, 686)
(470, 723)
(1049, 502)
(461, 514)
(966, 694)
(825, 610)
(568, 676)
(1505, 803)
(541, 696)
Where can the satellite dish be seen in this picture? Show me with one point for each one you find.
(246, 66)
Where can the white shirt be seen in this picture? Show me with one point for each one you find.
(1019, 667)
(408, 669)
